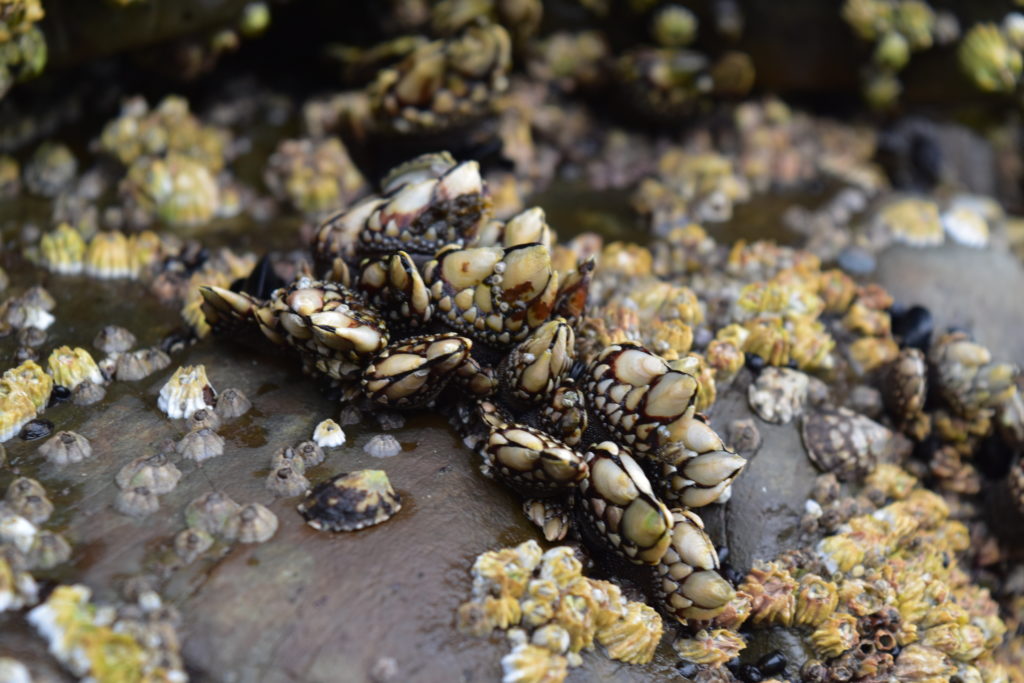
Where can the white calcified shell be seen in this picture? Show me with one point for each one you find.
(13, 671)
(37, 317)
(23, 591)
(328, 434)
(17, 531)
(49, 621)
(778, 395)
(187, 391)
(965, 225)
(383, 446)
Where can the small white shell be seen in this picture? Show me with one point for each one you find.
(328, 434)
(17, 531)
(13, 671)
(383, 446)
(966, 226)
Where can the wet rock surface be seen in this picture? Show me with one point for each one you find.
(306, 605)
(962, 287)
(767, 499)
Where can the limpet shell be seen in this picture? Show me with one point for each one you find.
(351, 501)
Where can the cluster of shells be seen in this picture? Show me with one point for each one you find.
(869, 603)
(580, 372)
(551, 612)
(408, 313)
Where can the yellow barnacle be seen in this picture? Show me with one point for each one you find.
(837, 289)
(634, 637)
(653, 299)
(624, 259)
(670, 339)
(776, 297)
(30, 379)
(816, 599)
(533, 664)
(725, 359)
(865, 321)
(713, 647)
(911, 221)
(835, 635)
(812, 344)
(114, 657)
(473, 619)
(990, 59)
(772, 590)
(605, 598)
(502, 611)
(561, 566)
(144, 249)
(963, 642)
(62, 250)
(16, 408)
(109, 256)
(920, 662)
(505, 572)
(893, 481)
(869, 353)
(577, 618)
(841, 552)
(70, 367)
(869, 18)
(769, 339)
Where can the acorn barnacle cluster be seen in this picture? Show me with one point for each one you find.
(551, 612)
(106, 642)
(171, 159)
(418, 297)
(24, 392)
(884, 597)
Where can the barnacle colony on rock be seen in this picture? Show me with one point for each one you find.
(426, 295)
(876, 599)
(579, 372)
(103, 643)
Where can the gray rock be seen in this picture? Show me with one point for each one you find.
(856, 261)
